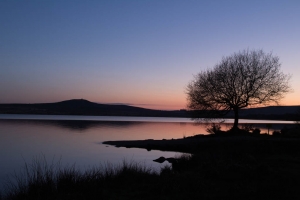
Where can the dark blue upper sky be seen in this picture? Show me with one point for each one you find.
(137, 52)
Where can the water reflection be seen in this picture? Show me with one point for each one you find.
(73, 124)
(80, 142)
(77, 142)
(168, 128)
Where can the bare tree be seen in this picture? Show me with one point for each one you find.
(244, 79)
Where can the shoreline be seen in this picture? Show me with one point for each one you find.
(218, 167)
(192, 144)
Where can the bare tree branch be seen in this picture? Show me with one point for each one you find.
(247, 78)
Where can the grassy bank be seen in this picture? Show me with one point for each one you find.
(235, 167)
(41, 180)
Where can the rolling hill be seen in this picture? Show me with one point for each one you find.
(85, 107)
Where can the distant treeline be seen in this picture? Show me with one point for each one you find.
(245, 115)
(286, 117)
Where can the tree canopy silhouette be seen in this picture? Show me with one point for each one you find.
(244, 79)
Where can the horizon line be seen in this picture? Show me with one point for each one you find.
(140, 105)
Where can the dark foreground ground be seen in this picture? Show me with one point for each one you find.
(231, 167)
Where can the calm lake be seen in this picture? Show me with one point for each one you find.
(78, 139)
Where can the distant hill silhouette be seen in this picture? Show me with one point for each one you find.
(84, 107)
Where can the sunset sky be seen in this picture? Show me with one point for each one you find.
(137, 52)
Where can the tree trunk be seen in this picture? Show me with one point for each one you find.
(236, 119)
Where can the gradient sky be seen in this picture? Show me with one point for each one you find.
(141, 52)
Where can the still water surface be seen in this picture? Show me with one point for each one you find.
(78, 139)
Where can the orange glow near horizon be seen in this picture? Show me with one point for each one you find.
(159, 100)
(179, 102)
(291, 100)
